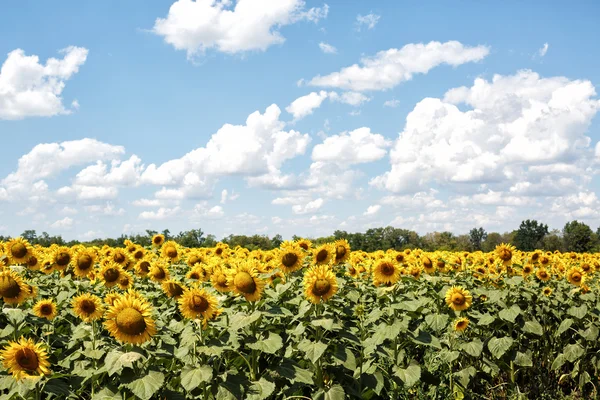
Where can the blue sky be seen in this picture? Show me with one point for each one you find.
(312, 116)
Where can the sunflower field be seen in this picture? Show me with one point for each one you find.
(298, 322)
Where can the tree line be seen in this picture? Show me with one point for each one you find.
(575, 236)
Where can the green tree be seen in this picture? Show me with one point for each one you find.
(530, 234)
(578, 237)
(476, 238)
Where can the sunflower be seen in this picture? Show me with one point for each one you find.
(320, 283)
(173, 288)
(142, 268)
(543, 275)
(195, 257)
(170, 251)
(83, 262)
(197, 273)
(125, 280)
(88, 307)
(352, 272)
(427, 265)
(129, 320)
(110, 298)
(158, 240)
(34, 262)
(25, 358)
(458, 299)
(342, 251)
(45, 309)
(575, 275)
(289, 258)
(304, 244)
(323, 254)
(244, 280)
(12, 288)
(460, 324)
(221, 249)
(159, 272)
(198, 303)
(18, 251)
(386, 271)
(504, 252)
(219, 280)
(138, 253)
(111, 274)
(547, 291)
(62, 257)
(120, 257)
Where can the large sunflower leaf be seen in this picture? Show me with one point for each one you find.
(147, 386)
(499, 346)
(191, 378)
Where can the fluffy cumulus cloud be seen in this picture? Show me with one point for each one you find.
(519, 130)
(369, 21)
(247, 25)
(309, 208)
(260, 146)
(389, 68)
(327, 48)
(354, 147)
(372, 210)
(29, 88)
(160, 214)
(305, 105)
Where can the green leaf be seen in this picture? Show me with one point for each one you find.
(578, 312)
(58, 387)
(291, 370)
(464, 376)
(15, 315)
(106, 394)
(499, 346)
(191, 378)
(241, 320)
(325, 323)
(345, 357)
(129, 358)
(558, 362)
(486, 319)
(111, 362)
(591, 333)
(473, 348)
(313, 350)
(335, 392)
(573, 351)
(269, 345)
(437, 322)
(510, 314)
(533, 327)
(147, 386)
(261, 389)
(425, 338)
(566, 324)
(410, 375)
(7, 331)
(522, 360)
(448, 356)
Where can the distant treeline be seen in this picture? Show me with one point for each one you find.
(575, 236)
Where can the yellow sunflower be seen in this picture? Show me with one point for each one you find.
(62, 257)
(543, 275)
(159, 272)
(129, 320)
(319, 283)
(111, 274)
(158, 240)
(289, 258)
(142, 268)
(88, 307)
(197, 303)
(110, 298)
(460, 324)
(575, 275)
(197, 273)
(458, 298)
(504, 252)
(323, 254)
(428, 265)
(547, 291)
(219, 280)
(125, 280)
(18, 251)
(304, 244)
(385, 271)
(120, 256)
(173, 288)
(342, 251)
(170, 251)
(25, 358)
(12, 288)
(45, 309)
(83, 262)
(194, 257)
(244, 280)
(34, 263)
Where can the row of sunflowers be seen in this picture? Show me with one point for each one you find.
(300, 321)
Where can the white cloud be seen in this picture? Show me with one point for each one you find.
(250, 25)
(355, 147)
(148, 202)
(369, 20)
(352, 98)
(121, 173)
(516, 122)
(31, 89)
(68, 210)
(389, 68)
(308, 208)
(65, 223)
(372, 210)
(305, 105)
(391, 103)
(542, 52)
(160, 214)
(226, 196)
(89, 235)
(259, 147)
(202, 210)
(107, 209)
(327, 48)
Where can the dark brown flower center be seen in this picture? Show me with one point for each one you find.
(131, 321)
(18, 250)
(32, 261)
(322, 255)
(27, 359)
(198, 303)
(304, 246)
(84, 262)
(119, 258)
(145, 266)
(244, 282)
(289, 259)
(88, 306)
(9, 288)
(111, 275)
(458, 299)
(321, 287)
(387, 269)
(340, 252)
(46, 309)
(171, 252)
(505, 254)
